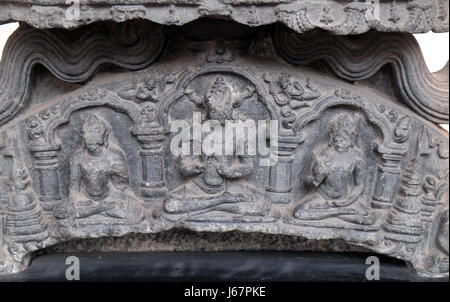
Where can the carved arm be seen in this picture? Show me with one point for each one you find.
(238, 169)
(359, 175)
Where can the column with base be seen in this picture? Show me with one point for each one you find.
(280, 175)
(153, 186)
(5, 188)
(389, 176)
(46, 163)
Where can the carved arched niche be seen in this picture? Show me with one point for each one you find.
(332, 133)
(367, 137)
(52, 148)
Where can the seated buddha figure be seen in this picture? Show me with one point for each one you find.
(216, 183)
(99, 186)
(338, 174)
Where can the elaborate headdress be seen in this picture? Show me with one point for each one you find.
(343, 124)
(95, 125)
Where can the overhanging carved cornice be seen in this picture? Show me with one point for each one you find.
(358, 59)
(340, 17)
(72, 58)
(349, 160)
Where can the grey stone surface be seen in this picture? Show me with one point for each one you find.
(86, 139)
(337, 16)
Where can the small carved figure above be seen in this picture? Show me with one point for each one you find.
(150, 90)
(401, 132)
(287, 91)
(222, 54)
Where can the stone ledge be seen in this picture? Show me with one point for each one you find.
(340, 17)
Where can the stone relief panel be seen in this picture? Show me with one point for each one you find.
(341, 17)
(339, 172)
(346, 162)
(220, 181)
(99, 189)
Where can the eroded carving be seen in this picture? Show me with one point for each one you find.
(71, 67)
(350, 162)
(426, 93)
(24, 225)
(437, 262)
(99, 180)
(301, 15)
(217, 184)
(338, 173)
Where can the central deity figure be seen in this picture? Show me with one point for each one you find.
(339, 175)
(99, 178)
(217, 183)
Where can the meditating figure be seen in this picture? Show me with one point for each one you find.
(99, 186)
(338, 174)
(217, 183)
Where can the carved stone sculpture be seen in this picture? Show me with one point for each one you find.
(24, 225)
(333, 138)
(339, 174)
(99, 179)
(217, 185)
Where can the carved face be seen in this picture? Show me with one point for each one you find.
(95, 134)
(150, 84)
(219, 101)
(342, 133)
(284, 81)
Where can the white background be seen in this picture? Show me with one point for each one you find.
(435, 47)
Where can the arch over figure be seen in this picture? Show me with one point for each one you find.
(99, 185)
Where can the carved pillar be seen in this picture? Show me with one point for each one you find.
(280, 175)
(46, 163)
(4, 184)
(153, 187)
(5, 189)
(389, 176)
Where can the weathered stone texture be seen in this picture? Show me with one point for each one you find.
(87, 116)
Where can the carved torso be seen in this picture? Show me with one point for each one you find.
(335, 173)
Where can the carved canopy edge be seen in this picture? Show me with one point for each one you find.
(72, 59)
(76, 59)
(339, 17)
(358, 59)
(401, 147)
